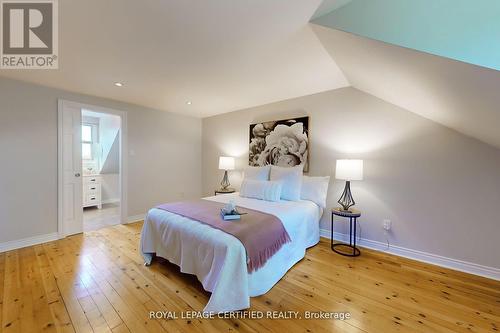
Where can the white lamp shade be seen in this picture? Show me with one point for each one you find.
(226, 163)
(349, 170)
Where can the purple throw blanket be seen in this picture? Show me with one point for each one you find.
(261, 234)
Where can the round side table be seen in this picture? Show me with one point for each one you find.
(352, 215)
(225, 191)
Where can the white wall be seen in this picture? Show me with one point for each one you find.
(110, 187)
(109, 126)
(164, 157)
(441, 189)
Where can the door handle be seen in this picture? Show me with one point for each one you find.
(77, 174)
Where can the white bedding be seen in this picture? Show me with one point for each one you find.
(219, 259)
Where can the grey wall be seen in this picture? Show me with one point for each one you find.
(441, 189)
(164, 164)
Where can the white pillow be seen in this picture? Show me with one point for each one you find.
(257, 173)
(315, 189)
(261, 189)
(291, 179)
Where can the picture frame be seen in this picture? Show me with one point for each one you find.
(282, 143)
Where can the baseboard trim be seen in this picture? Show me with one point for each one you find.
(135, 218)
(459, 265)
(20, 243)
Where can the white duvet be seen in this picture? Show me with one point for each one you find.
(219, 259)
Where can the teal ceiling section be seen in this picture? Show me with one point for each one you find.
(464, 30)
(328, 6)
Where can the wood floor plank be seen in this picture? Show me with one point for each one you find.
(82, 248)
(386, 293)
(32, 281)
(122, 328)
(26, 265)
(126, 269)
(12, 299)
(94, 316)
(54, 299)
(70, 287)
(407, 273)
(95, 282)
(130, 309)
(2, 281)
(109, 313)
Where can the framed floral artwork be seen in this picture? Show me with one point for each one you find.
(281, 142)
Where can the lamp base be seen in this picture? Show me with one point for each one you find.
(225, 181)
(346, 200)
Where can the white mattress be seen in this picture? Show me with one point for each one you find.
(219, 259)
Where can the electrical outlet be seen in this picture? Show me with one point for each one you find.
(387, 224)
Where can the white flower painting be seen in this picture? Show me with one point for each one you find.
(282, 143)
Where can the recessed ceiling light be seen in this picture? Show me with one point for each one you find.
(189, 102)
(118, 84)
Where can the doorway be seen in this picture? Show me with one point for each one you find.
(92, 167)
(100, 169)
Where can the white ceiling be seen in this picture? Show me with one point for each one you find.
(458, 95)
(226, 55)
(222, 55)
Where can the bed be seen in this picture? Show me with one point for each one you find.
(219, 260)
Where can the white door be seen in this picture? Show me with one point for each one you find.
(70, 162)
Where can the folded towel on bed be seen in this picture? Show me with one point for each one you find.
(261, 234)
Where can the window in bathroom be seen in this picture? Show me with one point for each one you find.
(88, 140)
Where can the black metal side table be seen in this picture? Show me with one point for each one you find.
(225, 191)
(353, 216)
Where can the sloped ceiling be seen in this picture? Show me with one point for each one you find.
(222, 55)
(226, 55)
(111, 164)
(463, 30)
(458, 95)
(328, 6)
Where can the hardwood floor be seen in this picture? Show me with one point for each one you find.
(96, 282)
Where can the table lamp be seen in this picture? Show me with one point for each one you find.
(225, 163)
(348, 170)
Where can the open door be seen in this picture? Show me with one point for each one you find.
(70, 163)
